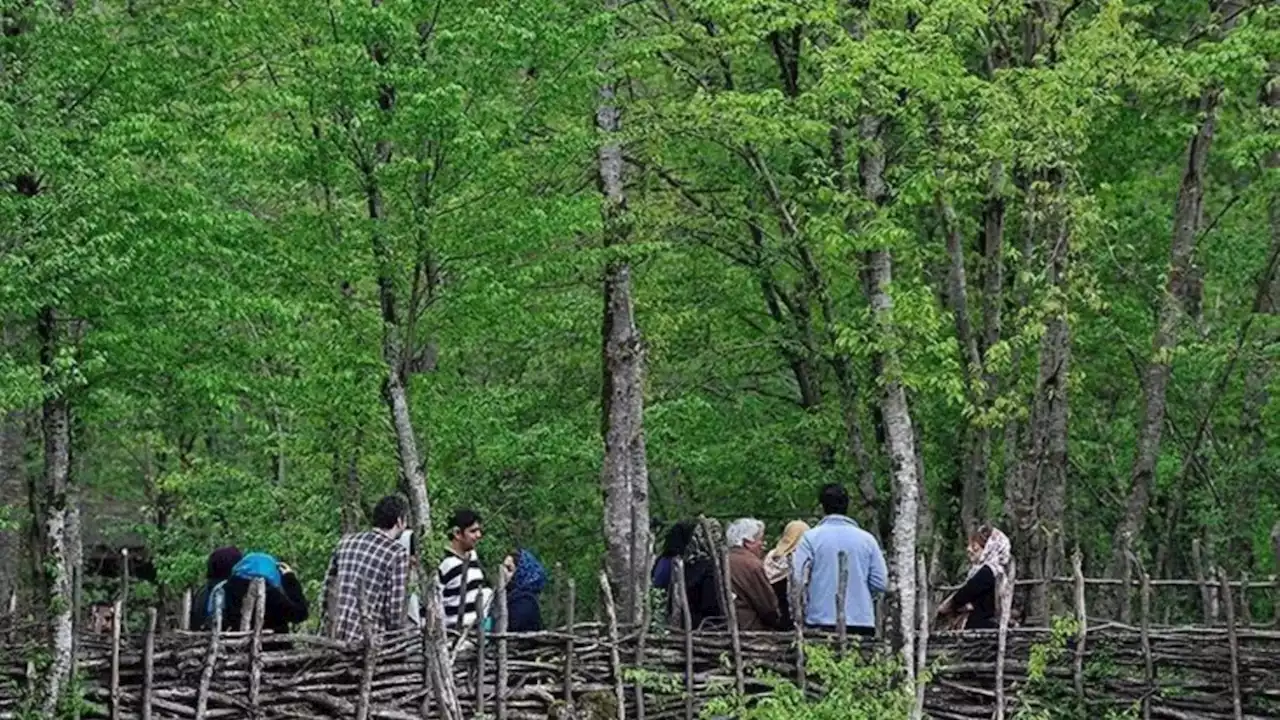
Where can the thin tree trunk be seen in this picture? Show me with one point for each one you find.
(1045, 476)
(13, 483)
(624, 475)
(1188, 216)
(56, 423)
(899, 436)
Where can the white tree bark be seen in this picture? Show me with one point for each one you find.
(625, 475)
(58, 546)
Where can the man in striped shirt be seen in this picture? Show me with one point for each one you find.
(368, 572)
(466, 599)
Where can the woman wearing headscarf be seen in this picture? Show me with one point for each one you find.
(703, 587)
(286, 604)
(678, 538)
(777, 567)
(526, 577)
(989, 557)
(218, 570)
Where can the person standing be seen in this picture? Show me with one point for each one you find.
(462, 581)
(818, 555)
(369, 570)
(753, 596)
(777, 568)
(526, 577)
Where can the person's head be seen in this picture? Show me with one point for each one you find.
(834, 500)
(678, 538)
(977, 541)
(747, 533)
(465, 530)
(391, 516)
(790, 538)
(222, 561)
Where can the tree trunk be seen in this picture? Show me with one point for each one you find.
(1258, 376)
(56, 425)
(1188, 215)
(1045, 477)
(624, 475)
(899, 436)
(13, 486)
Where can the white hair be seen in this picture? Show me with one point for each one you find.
(742, 530)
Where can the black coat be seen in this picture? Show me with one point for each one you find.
(286, 605)
(980, 592)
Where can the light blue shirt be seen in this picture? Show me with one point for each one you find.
(821, 546)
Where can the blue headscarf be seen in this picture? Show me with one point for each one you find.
(530, 577)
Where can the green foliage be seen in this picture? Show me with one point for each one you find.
(856, 689)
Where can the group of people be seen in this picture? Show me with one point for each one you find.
(807, 558)
(368, 586)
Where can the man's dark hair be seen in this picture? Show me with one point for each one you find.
(834, 499)
(389, 511)
(462, 519)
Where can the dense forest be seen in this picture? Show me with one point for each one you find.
(594, 266)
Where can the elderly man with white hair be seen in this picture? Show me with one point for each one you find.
(754, 598)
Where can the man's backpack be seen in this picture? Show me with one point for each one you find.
(251, 567)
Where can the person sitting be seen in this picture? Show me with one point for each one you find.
(286, 605)
(466, 599)
(777, 568)
(677, 540)
(754, 600)
(819, 553)
(218, 570)
(526, 577)
(989, 557)
(701, 577)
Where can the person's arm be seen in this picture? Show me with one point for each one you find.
(398, 567)
(759, 593)
(291, 600)
(800, 559)
(878, 576)
(982, 583)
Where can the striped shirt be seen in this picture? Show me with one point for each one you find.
(477, 596)
(367, 567)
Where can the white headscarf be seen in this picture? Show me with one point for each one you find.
(996, 554)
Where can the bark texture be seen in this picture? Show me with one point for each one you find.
(56, 426)
(13, 495)
(624, 477)
(1187, 220)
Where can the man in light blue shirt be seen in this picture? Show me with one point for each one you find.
(820, 550)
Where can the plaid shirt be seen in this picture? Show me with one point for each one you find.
(366, 562)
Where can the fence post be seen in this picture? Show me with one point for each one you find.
(115, 661)
(480, 664)
(148, 664)
(371, 654)
(501, 626)
(640, 643)
(686, 623)
(210, 660)
(1206, 594)
(1246, 612)
(259, 592)
(842, 590)
(1082, 620)
(124, 586)
(1149, 672)
(731, 612)
(1233, 642)
(184, 620)
(922, 648)
(1126, 590)
(615, 656)
(569, 610)
(799, 596)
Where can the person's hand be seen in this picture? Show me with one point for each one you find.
(508, 568)
(945, 607)
(285, 569)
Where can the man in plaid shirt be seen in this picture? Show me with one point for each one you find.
(369, 567)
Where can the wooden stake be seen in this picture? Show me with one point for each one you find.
(1246, 612)
(501, 624)
(1237, 709)
(1149, 670)
(1126, 591)
(148, 664)
(1206, 595)
(615, 655)
(735, 638)
(1082, 621)
(184, 620)
(480, 664)
(922, 648)
(210, 660)
(13, 614)
(571, 599)
(258, 590)
(115, 661)
(640, 647)
(124, 584)
(1002, 641)
(842, 591)
(371, 654)
(686, 624)
(799, 597)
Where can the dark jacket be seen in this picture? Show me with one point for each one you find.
(755, 601)
(286, 605)
(524, 613)
(980, 592)
(782, 590)
(703, 594)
